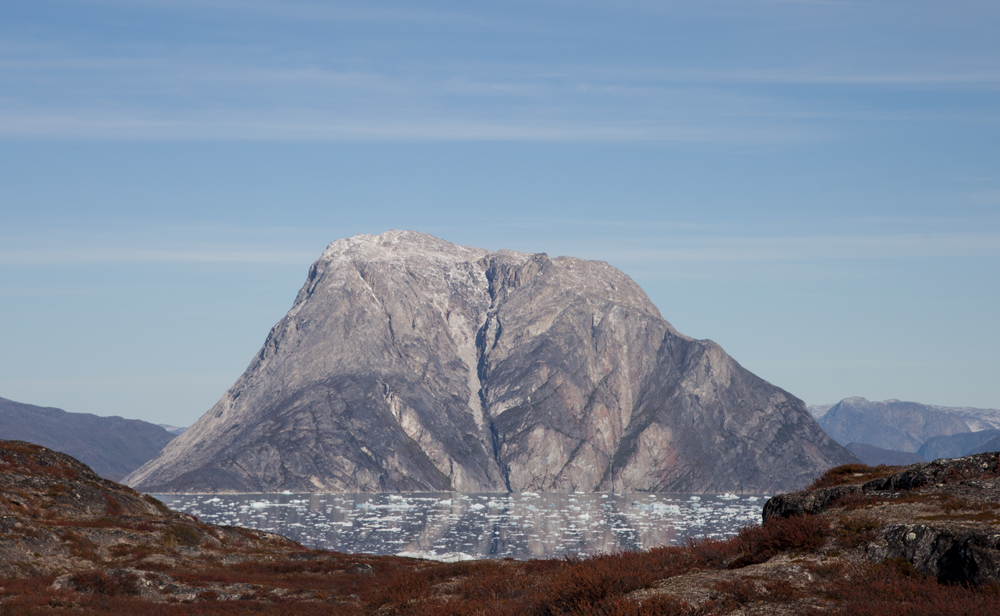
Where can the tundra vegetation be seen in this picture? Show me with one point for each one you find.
(888, 541)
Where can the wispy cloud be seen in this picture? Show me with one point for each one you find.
(222, 126)
(987, 197)
(803, 248)
(983, 78)
(230, 87)
(853, 363)
(95, 255)
(113, 381)
(619, 242)
(404, 81)
(181, 245)
(291, 10)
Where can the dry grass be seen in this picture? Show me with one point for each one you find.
(851, 473)
(275, 581)
(757, 544)
(894, 588)
(336, 584)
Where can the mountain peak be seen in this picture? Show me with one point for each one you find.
(394, 244)
(410, 363)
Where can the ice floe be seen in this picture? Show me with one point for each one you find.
(517, 525)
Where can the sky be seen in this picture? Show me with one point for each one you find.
(815, 185)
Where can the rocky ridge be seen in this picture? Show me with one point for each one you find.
(941, 517)
(411, 364)
(112, 446)
(58, 516)
(958, 445)
(873, 456)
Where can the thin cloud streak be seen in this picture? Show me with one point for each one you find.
(289, 11)
(855, 298)
(111, 381)
(845, 364)
(796, 249)
(626, 77)
(817, 77)
(320, 130)
(911, 246)
(91, 256)
(687, 250)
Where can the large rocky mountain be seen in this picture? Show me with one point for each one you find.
(901, 426)
(112, 446)
(409, 363)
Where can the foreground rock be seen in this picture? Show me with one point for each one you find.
(411, 364)
(75, 544)
(112, 446)
(941, 517)
(57, 516)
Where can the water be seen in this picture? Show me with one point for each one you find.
(452, 526)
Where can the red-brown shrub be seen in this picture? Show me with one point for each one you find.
(857, 530)
(758, 544)
(118, 583)
(113, 507)
(850, 473)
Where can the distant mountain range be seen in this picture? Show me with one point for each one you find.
(172, 429)
(112, 446)
(873, 456)
(892, 430)
(411, 364)
(958, 445)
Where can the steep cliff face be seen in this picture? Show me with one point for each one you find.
(409, 363)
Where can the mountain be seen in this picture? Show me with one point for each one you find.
(989, 446)
(976, 419)
(895, 425)
(172, 429)
(409, 363)
(903, 426)
(818, 410)
(873, 456)
(957, 445)
(112, 446)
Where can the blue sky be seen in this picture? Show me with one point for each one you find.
(815, 185)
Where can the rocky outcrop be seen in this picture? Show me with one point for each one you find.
(953, 556)
(58, 516)
(941, 517)
(112, 446)
(408, 363)
(73, 542)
